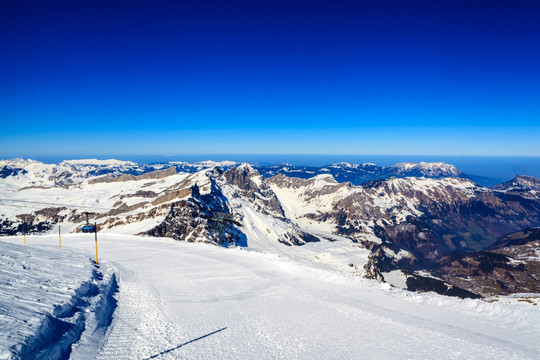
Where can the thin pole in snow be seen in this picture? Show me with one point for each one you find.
(59, 238)
(95, 233)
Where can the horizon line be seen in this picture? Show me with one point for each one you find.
(113, 156)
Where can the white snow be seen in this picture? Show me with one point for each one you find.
(47, 293)
(400, 255)
(396, 278)
(197, 301)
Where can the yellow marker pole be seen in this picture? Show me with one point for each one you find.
(95, 232)
(25, 239)
(59, 238)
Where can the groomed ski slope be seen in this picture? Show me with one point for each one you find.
(194, 301)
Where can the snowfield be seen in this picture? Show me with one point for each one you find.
(176, 300)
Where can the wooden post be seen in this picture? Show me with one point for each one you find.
(95, 233)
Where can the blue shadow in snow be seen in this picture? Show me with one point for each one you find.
(184, 344)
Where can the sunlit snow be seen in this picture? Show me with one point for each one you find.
(197, 301)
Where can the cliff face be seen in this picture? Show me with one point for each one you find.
(251, 186)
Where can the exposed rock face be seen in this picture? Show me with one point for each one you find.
(252, 187)
(423, 284)
(7, 170)
(373, 266)
(245, 183)
(31, 223)
(173, 195)
(192, 220)
(157, 174)
(243, 177)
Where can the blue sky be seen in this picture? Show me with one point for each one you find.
(164, 77)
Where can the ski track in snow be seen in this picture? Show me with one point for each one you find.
(194, 301)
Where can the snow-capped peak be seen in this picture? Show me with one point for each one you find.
(427, 168)
(520, 183)
(344, 164)
(327, 178)
(96, 162)
(210, 163)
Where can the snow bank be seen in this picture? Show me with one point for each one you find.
(50, 299)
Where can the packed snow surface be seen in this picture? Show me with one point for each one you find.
(181, 300)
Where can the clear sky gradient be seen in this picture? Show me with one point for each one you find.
(99, 78)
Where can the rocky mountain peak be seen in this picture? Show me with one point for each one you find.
(244, 176)
(520, 183)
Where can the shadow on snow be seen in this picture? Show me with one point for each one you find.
(188, 342)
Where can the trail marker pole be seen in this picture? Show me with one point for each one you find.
(96, 241)
(59, 238)
(24, 233)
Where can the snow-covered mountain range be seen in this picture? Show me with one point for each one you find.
(360, 173)
(404, 225)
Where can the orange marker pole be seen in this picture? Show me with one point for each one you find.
(59, 238)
